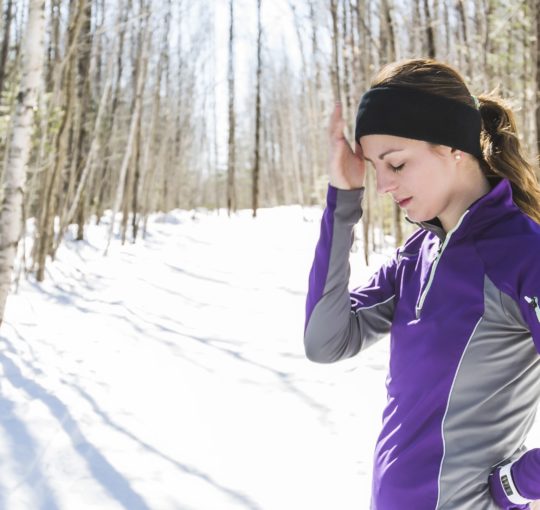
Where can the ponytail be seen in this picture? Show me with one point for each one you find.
(503, 155)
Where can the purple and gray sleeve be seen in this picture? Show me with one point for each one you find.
(518, 482)
(340, 323)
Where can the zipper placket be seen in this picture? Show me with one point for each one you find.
(422, 299)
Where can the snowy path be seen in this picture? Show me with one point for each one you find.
(171, 375)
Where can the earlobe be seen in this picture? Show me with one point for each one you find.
(456, 153)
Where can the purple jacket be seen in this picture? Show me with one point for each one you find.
(463, 314)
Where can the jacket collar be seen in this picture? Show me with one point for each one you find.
(480, 214)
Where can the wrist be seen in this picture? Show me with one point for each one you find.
(503, 489)
(343, 187)
(344, 183)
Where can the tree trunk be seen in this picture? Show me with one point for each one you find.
(148, 159)
(347, 62)
(111, 128)
(466, 39)
(128, 152)
(45, 231)
(257, 116)
(15, 173)
(388, 39)
(5, 44)
(430, 36)
(92, 152)
(388, 42)
(447, 31)
(231, 185)
(335, 70)
(84, 43)
(53, 53)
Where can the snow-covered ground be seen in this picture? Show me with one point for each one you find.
(171, 375)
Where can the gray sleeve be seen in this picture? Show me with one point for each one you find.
(339, 323)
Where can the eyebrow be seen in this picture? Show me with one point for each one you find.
(383, 154)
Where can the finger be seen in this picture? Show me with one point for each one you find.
(358, 150)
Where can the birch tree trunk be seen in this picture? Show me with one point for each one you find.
(17, 162)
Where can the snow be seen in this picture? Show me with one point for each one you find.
(171, 375)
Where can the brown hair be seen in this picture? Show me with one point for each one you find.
(499, 139)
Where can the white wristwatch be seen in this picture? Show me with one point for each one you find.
(505, 476)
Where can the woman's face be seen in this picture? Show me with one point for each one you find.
(419, 176)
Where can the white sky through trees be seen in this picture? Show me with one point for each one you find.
(278, 38)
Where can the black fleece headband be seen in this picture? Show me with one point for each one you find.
(411, 113)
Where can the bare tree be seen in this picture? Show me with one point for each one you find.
(5, 43)
(134, 123)
(101, 145)
(335, 68)
(231, 185)
(45, 231)
(465, 48)
(256, 163)
(15, 173)
(388, 43)
(430, 36)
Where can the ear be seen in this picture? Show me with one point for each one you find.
(450, 153)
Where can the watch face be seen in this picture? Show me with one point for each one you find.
(506, 485)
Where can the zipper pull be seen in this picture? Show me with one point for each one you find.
(534, 304)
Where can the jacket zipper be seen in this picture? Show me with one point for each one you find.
(422, 299)
(534, 304)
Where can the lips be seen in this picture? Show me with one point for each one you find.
(404, 202)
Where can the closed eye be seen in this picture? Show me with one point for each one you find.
(397, 168)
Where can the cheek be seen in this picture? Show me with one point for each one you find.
(431, 178)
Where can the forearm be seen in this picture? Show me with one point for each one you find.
(329, 331)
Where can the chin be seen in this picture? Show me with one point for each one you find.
(419, 216)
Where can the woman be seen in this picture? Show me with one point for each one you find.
(460, 298)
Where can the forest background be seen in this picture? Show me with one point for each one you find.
(137, 106)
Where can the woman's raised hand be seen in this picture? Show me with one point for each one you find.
(346, 168)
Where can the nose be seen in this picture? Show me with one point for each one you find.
(386, 181)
